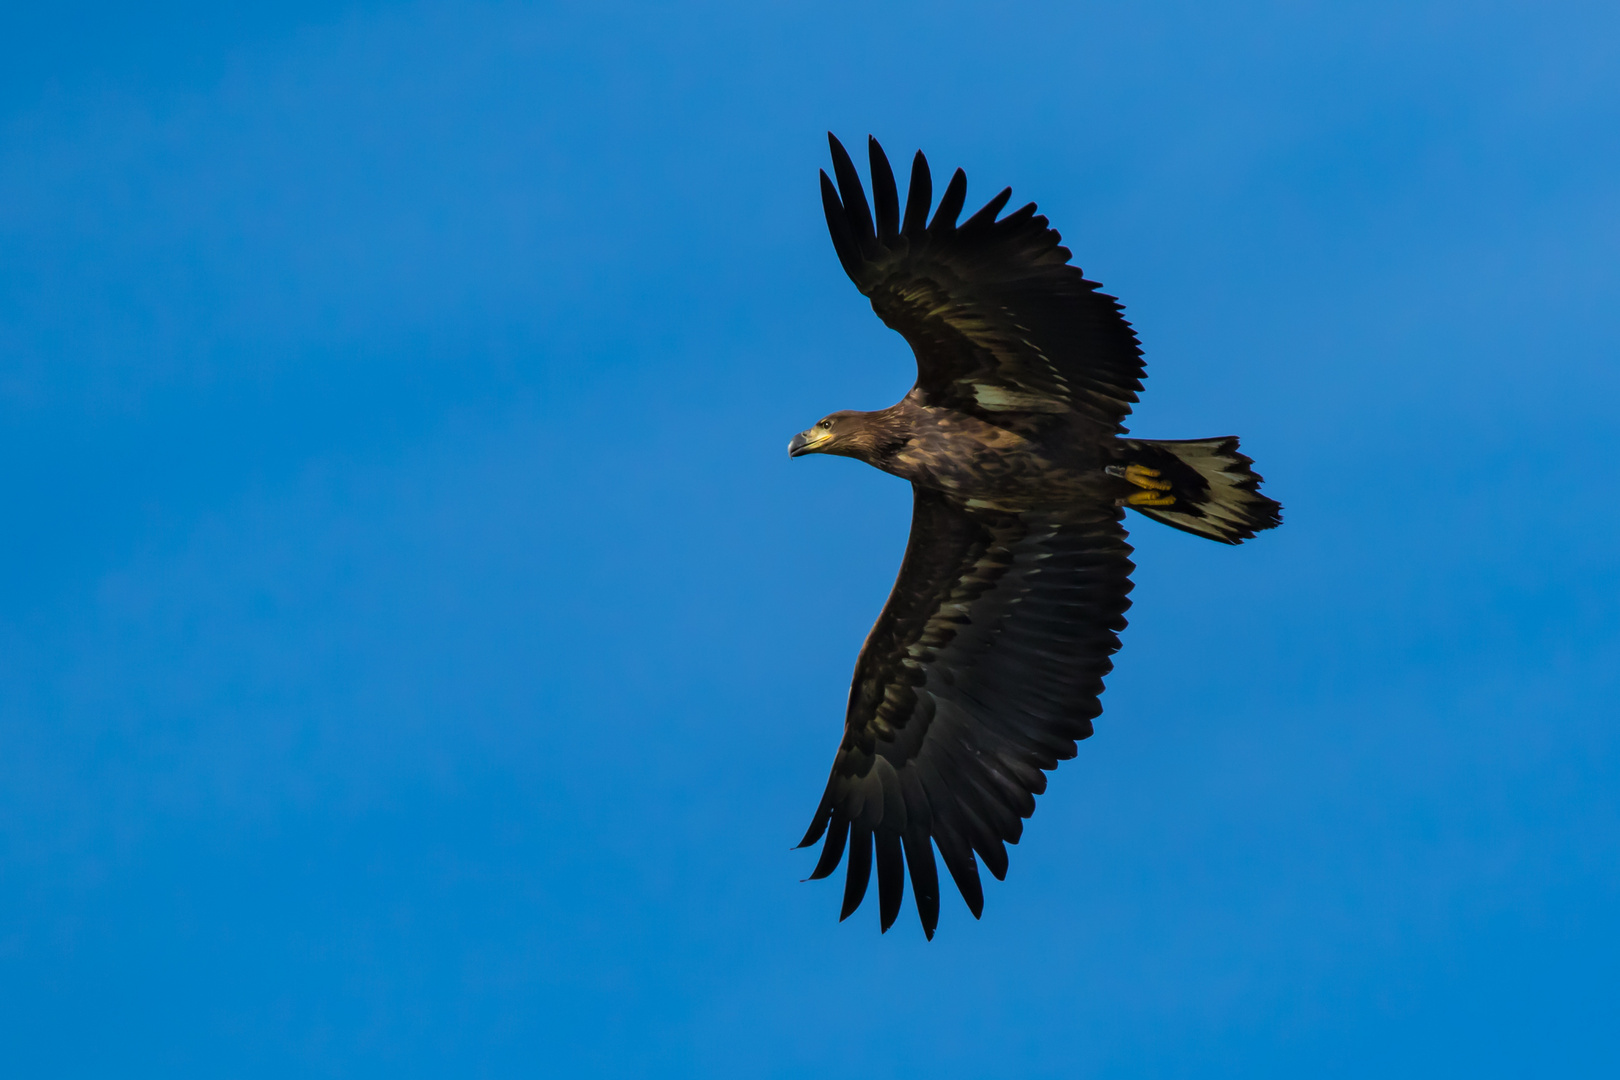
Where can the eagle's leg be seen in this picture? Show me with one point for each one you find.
(1154, 491)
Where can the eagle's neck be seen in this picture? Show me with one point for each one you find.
(882, 436)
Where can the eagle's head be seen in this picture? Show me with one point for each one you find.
(846, 433)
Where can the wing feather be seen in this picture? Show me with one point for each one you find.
(853, 196)
(860, 869)
(843, 237)
(919, 198)
(950, 204)
(891, 875)
(924, 877)
(959, 863)
(885, 198)
(832, 852)
(985, 216)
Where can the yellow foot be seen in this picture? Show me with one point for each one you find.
(1155, 492)
(1149, 498)
(1143, 477)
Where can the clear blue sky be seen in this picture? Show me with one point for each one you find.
(418, 654)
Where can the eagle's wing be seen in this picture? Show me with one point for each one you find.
(1000, 322)
(982, 671)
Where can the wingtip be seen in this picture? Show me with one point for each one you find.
(986, 214)
(919, 198)
(818, 825)
(885, 194)
(950, 204)
(832, 852)
(856, 213)
(836, 148)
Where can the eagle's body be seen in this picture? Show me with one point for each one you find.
(986, 664)
(1048, 463)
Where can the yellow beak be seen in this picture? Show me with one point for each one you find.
(807, 442)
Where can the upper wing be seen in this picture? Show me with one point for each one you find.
(999, 320)
(982, 670)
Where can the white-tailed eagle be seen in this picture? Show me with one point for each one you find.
(986, 663)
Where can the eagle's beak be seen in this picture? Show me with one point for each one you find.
(805, 442)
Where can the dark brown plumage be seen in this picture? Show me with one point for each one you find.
(986, 664)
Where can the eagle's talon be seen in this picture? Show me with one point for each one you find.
(1142, 477)
(1149, 498)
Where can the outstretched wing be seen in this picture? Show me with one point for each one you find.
(982, 671)
(1000, 322)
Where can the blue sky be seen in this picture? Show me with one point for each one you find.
(418, 654)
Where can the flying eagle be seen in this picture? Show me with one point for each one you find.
(986, 663)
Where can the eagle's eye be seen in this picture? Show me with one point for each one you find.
(826, 425)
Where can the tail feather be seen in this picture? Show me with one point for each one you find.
(1216, 494)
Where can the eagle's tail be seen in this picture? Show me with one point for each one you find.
(1201, 486)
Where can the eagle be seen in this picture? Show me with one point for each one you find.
(986, 664)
